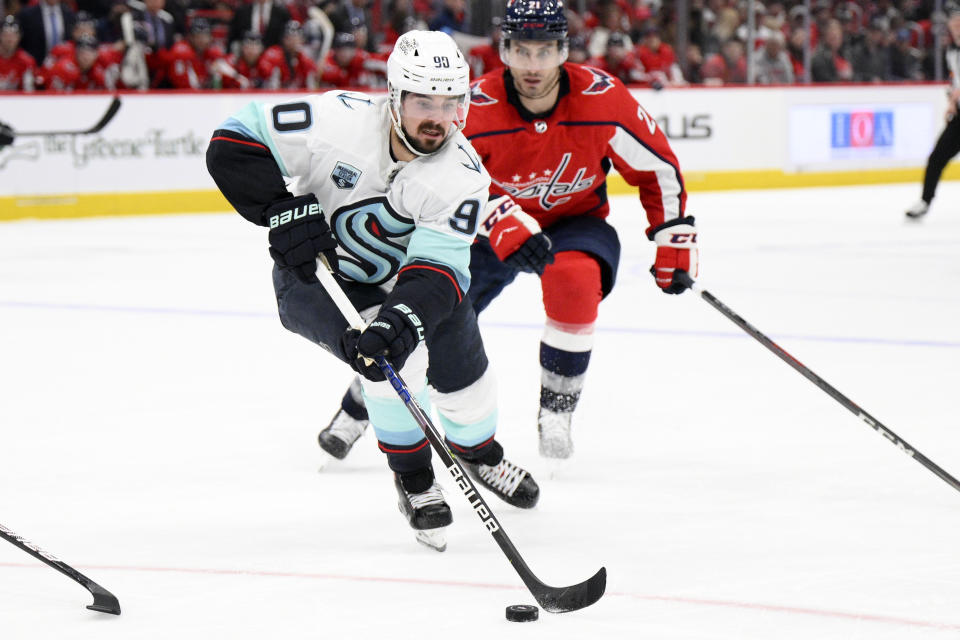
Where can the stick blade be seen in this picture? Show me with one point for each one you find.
(103, 600)
(108, 116)
(578, 596)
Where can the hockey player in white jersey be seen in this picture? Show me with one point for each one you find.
(389, 191)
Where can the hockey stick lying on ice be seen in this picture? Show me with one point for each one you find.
(103, 600)
(104, 120)
(553, 599)
(820, 382)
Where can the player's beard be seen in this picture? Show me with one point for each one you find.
(547, 85)
(429, 145)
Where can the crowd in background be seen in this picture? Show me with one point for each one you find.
(76, 45)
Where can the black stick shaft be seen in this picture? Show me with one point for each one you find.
(805, 371)
(103, 600)
(104, 120)
(553, 599)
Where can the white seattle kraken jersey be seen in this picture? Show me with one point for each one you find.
(384, 213)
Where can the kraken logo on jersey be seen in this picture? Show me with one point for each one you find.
(374, 237)
(345, 176)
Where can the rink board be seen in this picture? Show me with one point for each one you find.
(150, 157)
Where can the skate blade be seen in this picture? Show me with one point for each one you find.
(326, 460)
(556, 467)
(436, 539)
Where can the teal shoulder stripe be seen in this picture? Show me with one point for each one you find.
(433, 246)
(250, 122)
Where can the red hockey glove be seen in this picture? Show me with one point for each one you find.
(515, 236)
(676, 251)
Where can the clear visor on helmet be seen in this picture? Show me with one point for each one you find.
(533, 55)
(444, 109)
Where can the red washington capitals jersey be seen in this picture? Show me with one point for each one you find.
(556, 166)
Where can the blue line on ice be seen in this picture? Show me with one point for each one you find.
(942, 344)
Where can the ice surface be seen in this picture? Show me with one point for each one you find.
(159, 433)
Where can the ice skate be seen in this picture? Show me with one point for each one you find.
(918, 210)
(344, 430)
(348, 424)
(511, 483)
(554, 428)
(427, 512)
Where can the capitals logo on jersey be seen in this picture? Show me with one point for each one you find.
(602, 82)
(477, 96)
(546, 185)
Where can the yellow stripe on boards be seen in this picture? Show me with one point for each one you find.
(87, 205)
(776, 179)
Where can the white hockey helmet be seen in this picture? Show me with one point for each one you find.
(428, 63)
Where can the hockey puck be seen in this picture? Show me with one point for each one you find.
(522, 613)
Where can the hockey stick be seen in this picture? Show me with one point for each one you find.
(103, 600)
(552, 599)
(879, 427)
(104, 120)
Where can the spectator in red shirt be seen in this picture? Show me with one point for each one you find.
(619, 60)
(196, 63)
(17, 67)
(246, 63)
(728, 66)
(486, 57)
(285, 65)
(658, 59)
(349, 66)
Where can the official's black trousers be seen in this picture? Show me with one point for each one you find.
(948, 145)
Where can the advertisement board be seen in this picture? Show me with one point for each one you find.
(863, 134)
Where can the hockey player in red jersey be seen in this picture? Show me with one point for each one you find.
(549, 204)
(197, 63)
(348, 66)
(286, 65)
(246, 63)
(17, 67)
(80, 69)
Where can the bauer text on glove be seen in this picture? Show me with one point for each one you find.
(298, 234)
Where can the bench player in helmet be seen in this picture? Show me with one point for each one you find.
(391, 193)
(548, 204)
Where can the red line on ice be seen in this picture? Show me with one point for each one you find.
(731, 604)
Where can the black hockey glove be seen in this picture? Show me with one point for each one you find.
(6, 135)
(394, 333)
(298, 234)
(532, 256)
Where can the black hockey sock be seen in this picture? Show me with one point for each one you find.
(417, 481)
(489, 453)
(352, 402)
